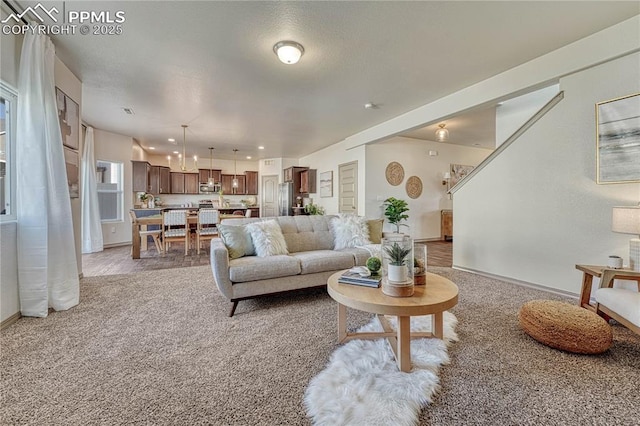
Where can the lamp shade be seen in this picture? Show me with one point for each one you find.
(442, 134)
(626, 220)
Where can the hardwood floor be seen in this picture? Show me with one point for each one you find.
(117, 260)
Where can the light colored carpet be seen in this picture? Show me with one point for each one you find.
(363, 386)
(157, 348)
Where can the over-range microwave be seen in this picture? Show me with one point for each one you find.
(205, 188)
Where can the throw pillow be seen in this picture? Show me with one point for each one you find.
(237, 240)
(349, 230)
(267, 238)
(375, 230)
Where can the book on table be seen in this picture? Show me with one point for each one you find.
(355, 278)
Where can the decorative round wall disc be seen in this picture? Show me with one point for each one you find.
(414, 187)
(394, 173)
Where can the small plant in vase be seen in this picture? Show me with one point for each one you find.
(374, 265)
(398, 271)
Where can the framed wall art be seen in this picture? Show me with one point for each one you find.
(326, 184)
(618, 140)
(458, 172)
(69, 119)
(72, 163)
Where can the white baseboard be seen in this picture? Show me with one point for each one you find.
(519, 282)
(10, 320)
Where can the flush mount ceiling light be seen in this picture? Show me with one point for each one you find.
(442, 134)
(289, 52)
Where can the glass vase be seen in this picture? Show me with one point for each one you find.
(397, 265)
(419, 263)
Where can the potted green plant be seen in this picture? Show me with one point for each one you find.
(395, 212)
(313, 209)
(397, 268)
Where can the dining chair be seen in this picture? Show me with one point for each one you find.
(208, 220)
(175, 227)
(153, 233)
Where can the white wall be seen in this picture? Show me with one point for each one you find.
(536, 210)
(328, 159)
(413, 154)
(513, 113)
(117, 148)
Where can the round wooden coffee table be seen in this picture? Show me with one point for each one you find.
(433, 298)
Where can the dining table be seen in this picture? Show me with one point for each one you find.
(156, 219)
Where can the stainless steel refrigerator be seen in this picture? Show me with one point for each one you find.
(285, 199)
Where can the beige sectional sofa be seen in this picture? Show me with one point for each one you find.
(310, 262)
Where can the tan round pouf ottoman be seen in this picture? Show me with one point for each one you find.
(565, 326)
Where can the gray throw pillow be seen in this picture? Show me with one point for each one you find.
(237, 240)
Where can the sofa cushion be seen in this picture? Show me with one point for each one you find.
(237, 240)
(349, 230)
(253, 268)
(306, 233)
(359, 254)
(267, 238)
(625, 303)
(323, 260)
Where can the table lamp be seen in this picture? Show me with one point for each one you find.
(626, 220)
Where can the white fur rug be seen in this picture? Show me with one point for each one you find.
(362, 385)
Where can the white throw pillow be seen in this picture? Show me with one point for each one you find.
(349, 230)
(267, 238)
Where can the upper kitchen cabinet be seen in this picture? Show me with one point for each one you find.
(251, 183)
(141, 176)
(308, 181)
(205, 174)
(159, 180)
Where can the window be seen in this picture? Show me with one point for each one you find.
(8, 112)
(109, 178)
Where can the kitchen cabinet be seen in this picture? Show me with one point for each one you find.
(227, 185)
(141, 178)
(308, 181)
(446, 225)
(159, 180)
(177, 183)
(251, 183)
(191, 183)
(292, 174)
(184, 183)
(205, 174)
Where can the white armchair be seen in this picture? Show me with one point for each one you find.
(621, 304)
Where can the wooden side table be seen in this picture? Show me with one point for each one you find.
(590, 271)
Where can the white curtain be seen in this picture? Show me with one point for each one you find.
(47, 266)
(91, 226)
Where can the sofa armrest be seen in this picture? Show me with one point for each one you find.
(220, 267)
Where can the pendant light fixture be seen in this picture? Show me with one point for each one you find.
(234, 183)
(182, 158)
(211, 182)
(442, 134)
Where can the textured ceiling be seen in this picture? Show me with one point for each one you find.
(211, 65)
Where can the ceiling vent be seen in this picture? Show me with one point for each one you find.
(128, 111)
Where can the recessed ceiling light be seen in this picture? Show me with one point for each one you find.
(261, 147)
(171, 140)
(248, 157)
(176, 152)
(371, 105)
(152, 147)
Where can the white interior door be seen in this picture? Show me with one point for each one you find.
(348, 188)
(269, 196)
